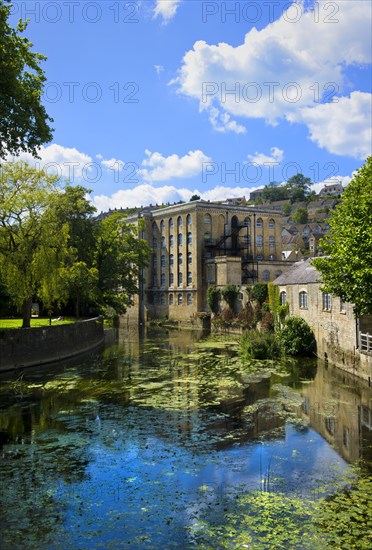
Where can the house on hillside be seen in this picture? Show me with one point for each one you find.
(341, 338)
(335, 189)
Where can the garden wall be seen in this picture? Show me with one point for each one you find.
(26, 347)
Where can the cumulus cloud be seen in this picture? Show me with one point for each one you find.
(160, 168)
(146, 194)
(343, 128)
(113, 164)
(66, 162)
(294, 63)
(262, 159)
(222, 122)
(166, 9)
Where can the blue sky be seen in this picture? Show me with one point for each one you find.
(156, 100)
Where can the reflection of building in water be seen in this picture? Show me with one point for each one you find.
(338, 406)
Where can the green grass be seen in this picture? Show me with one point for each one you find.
(35, 322)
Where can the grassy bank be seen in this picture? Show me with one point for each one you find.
(35, 322)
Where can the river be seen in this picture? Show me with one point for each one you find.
(139, 445)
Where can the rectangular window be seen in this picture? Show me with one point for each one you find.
(303, 300)
(327, 301)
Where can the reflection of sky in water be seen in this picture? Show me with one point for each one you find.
(138, 484)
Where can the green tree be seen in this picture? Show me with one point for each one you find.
(213, 298)
(300, 215)
(119, 257)
(347, 268)
(80, 283)
(195, 198)
(260, 292)
(33, 242)
(274, 192)
(24, 123)
(298, 187)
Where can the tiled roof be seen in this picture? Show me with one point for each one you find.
(300, 273)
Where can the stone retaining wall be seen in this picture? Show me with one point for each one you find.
(26, 347)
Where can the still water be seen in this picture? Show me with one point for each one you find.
(137, 446)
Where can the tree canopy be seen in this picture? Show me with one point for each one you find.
(24, 122)
(347, 267)
(53, 250)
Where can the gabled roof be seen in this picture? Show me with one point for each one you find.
(300, 273)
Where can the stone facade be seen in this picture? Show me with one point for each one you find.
(196, 244)
(335, 328)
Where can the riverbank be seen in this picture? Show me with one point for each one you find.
(22, 348)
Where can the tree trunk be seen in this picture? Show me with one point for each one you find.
(77, 307)
(26, 313)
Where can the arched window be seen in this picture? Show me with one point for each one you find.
(207, 219)
(154, 227)
(171, 240)
(188, 219)
(259, 241)
(154, 243)
(247, 222)
(171, 299)
(189, 278)
(272, 241)
(179, 299)
(266, 276)
(259, 257)
(247, 240)
(189, 258)
(180, 278)
(171, 259)
(162, 261)
(283, 298)
(259, 222)
(189, 238)
(162, 299)
(207, 237)
(179, 239)
(271, 224)
(302, 299)
(189, 299)
(171, 279)
(162, 279)
(179, 221)
(163, 242)
(171, 223)
(180, 259)
(162, 225)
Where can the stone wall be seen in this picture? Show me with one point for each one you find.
(335, 328)
(36, 346)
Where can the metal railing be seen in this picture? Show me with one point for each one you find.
(365, 342)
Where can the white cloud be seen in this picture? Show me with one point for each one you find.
(160, 168)
(113, 164)
(222, 122)
(166, 9)
(146, 194)
(159, 69)
(261, 159)
(343, 128)
(288, 66)
(142, 195)
(66, 162)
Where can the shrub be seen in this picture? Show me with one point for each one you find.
(259, 345)
(230, 294)
(297, 337)
(260, 292)
(213, 298)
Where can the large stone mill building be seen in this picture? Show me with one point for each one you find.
(197, 244)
